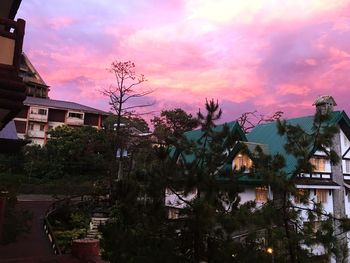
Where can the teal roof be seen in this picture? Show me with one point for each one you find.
(195, 135)
(268, 134)
(233, 127)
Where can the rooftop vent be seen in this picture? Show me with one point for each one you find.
(325, 104)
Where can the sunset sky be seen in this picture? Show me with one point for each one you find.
(249, 54)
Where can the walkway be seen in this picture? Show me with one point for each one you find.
(33, 247)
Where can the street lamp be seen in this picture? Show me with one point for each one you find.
(269, 250)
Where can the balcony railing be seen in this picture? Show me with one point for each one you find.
(74, 121)
(37, 117)
(36, 134)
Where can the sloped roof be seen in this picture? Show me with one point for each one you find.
(9, 131)
(60, 104)
(268, 134)
(29, 72)
(324, 99)
(233, 127)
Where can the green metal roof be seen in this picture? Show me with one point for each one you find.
(195, 135)
(268, 134)
(233, 127)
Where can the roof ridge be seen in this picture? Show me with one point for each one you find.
(69, 103)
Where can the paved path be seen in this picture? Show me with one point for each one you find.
(33, 247)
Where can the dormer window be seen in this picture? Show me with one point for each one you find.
(242, 161)
(319, 164)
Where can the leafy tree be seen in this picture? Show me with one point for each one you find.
(171, 124)
(69, 151)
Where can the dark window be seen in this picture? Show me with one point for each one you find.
(21, 126)
(42, 127)
(75, 115)
(42, 111)
(57, 115)
(91, 119)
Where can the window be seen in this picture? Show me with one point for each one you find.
(319, 164)
(347, 166)
(346, 141)
(38, 111)
(242, 160)
(42, 127)
(173, 213)
(31, 126)
(75, 115)
(42, 111)
(261, 194)
(321, 195)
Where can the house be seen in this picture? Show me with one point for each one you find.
(328, 183)
(253, 190)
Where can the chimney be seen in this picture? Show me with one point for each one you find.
(325, 104)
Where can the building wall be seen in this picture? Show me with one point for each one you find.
(34, 121)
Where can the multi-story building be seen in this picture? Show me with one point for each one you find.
(41, 114)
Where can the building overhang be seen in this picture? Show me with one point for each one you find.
(313, 186)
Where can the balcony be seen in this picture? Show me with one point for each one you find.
(75, 118)
(38, 114)
(12, 88)
(36, 134)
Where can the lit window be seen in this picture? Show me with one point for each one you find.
(242, 160)
(261, 194)
(321, 195)
(319, 164)
(173, 213)
(75, 115)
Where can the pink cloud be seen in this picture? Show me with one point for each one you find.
(248, 54)
(286, 89)
(60, 22)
